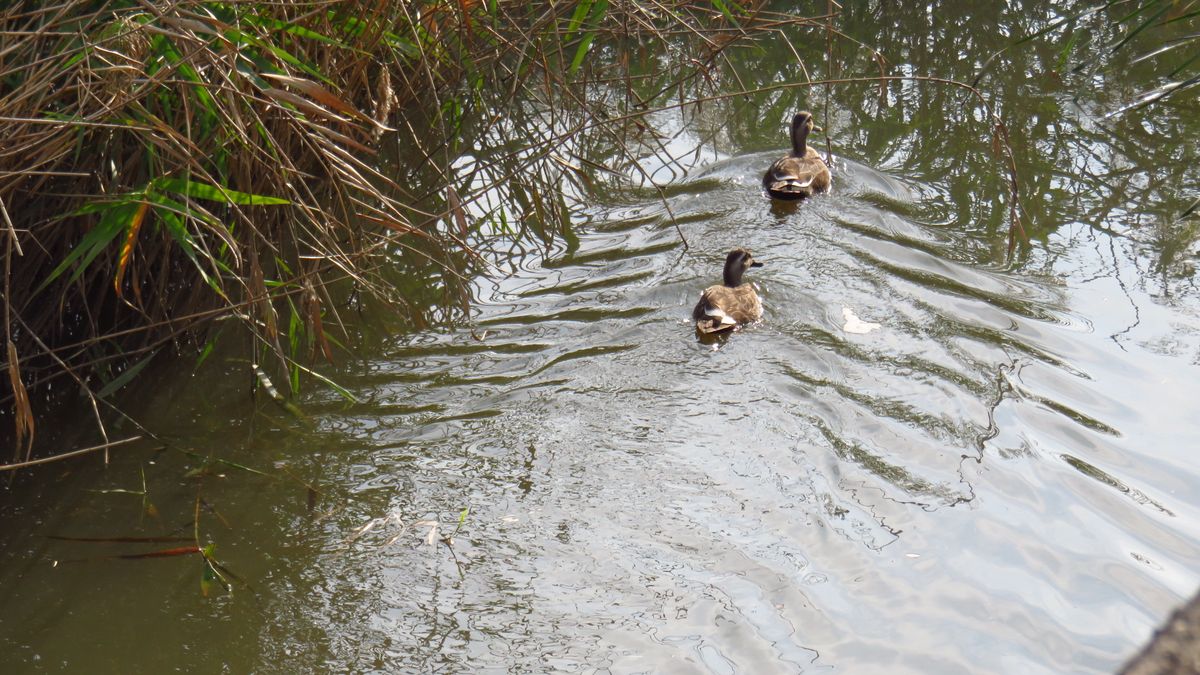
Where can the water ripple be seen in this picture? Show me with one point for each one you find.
(641, 499)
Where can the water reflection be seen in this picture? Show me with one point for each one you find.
(997, 469)
(800, 497)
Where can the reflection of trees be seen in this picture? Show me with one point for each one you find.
(575, 137)
(1076, 166)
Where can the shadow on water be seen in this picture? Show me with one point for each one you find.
(922, 455)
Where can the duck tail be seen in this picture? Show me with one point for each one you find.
(715, 320)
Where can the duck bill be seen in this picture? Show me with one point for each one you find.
(756, 264)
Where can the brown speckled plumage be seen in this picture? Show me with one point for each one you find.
(731, 304)
(802, 173)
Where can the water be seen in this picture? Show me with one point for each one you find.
(999, 478)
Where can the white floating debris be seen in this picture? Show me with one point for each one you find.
(855, 324)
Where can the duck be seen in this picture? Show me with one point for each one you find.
(726, 306)
(802, 173)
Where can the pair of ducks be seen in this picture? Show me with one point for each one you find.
(800, 174)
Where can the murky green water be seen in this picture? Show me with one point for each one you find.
(999, 478)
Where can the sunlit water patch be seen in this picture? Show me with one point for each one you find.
(971, 477)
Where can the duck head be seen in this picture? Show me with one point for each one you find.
(802, 125)
(736, 263)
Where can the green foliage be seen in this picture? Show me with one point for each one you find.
(214, 193)
(588, 14)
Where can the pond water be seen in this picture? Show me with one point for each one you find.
(999, 477)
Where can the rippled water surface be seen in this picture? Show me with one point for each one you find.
(1000, 477)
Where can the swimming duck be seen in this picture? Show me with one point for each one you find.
(727, 306)
(801, 173)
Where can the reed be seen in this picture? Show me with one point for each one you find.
(164, 164)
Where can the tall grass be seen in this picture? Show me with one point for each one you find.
(165, 164)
